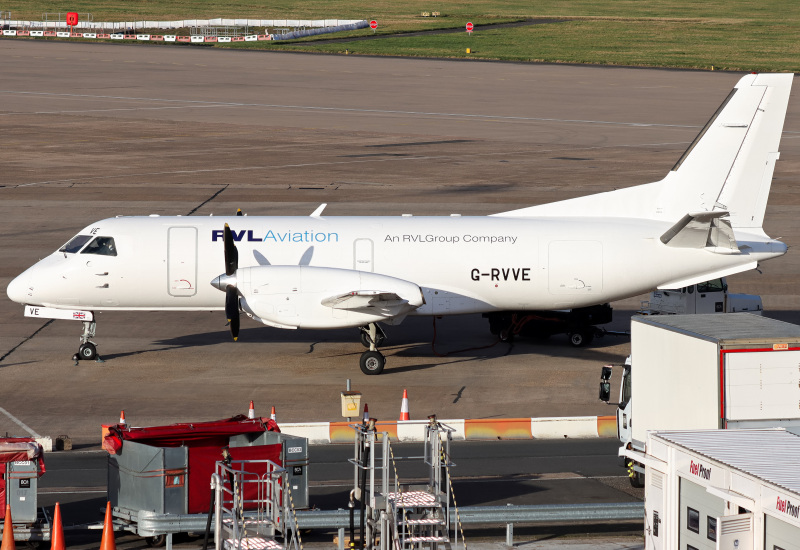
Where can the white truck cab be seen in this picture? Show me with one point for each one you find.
(708, 297)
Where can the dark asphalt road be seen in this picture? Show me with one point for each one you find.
(486, 473)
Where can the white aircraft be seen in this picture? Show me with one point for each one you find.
(702, 221)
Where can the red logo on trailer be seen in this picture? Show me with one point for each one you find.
(470, 26)
(72, 18)
(373, 24)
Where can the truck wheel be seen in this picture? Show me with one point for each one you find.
(582, 337)
(637, 480)
(156, 541)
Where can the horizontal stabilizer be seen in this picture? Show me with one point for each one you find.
(701, 230)
(361, 299)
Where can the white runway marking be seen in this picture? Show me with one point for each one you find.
(19, 423)
(188, 103)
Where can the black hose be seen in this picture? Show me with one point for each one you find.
(352, 506)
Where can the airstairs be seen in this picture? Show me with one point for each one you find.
(253, 506)
(403, 517)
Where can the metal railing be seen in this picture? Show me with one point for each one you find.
(499, 515)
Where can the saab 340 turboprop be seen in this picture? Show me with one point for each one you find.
(702, 221)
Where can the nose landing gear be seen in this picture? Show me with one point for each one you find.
(88, 349)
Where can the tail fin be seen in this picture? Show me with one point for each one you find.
(728, 167)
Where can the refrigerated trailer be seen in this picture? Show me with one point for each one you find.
(706, 371)
(159, 477)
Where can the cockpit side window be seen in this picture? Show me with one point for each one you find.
(75, 244)
(103, 246)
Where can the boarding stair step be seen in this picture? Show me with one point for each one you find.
(252, 543)
(426, 521)
(413, 499)
(427, 539)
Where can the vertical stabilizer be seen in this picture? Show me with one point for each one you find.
(729, 165)
(727, 168)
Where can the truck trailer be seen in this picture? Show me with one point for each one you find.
(705, 371)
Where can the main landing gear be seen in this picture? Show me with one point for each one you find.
(88, 349)
(372, 361)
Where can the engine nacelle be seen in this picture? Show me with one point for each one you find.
(323, 297)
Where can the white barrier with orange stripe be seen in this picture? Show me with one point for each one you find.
(578, 427)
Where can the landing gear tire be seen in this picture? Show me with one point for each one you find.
(87, 351)
(372, 362)
(581, 338)
(379, 339)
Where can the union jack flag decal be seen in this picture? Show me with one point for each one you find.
(78, 315)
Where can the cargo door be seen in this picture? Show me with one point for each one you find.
(735, 532)
(761, 388)
(362, 255)
(175, 494)
(654, 510)
(182, 261)
(575, 267)
(780, 534)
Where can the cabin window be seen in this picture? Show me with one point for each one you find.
(75, 244)
(102, 246)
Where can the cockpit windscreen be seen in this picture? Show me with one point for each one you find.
(75, 244)
(103, 246)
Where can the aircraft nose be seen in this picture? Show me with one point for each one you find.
(18, 290)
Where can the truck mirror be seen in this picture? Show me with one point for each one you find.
(605, 383)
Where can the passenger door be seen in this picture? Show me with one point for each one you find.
(182, 261)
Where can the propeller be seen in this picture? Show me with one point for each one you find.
(231, 294)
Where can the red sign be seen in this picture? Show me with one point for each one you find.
(72, 18)
(373, 24)
(470, 26)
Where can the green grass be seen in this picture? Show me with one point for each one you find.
(726, 34)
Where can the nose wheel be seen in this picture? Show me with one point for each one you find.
(88, 349)
(372, 361)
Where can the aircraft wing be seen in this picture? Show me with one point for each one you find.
(361, 299)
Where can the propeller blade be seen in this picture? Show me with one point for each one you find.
(231, 253)
(260, 258)
(232, 310)
(306, 259)
(238, 211)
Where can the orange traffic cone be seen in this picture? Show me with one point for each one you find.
(8, 532)
(251, 412)
(272, 414)
(108, 542)
(57, 531)
(366, 414)
(122, 418)
(404, 407)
